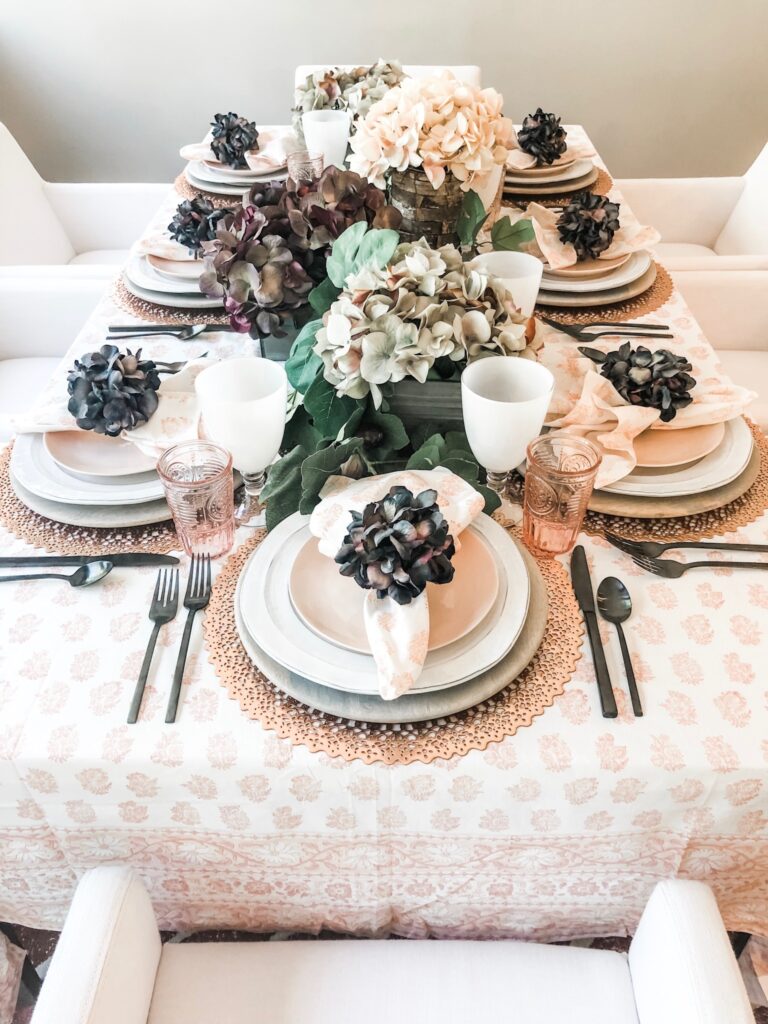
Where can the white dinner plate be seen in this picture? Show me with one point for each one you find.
(35, 470)
(270, 618)
(626, 273)
(141, 273)
(104, 517)
(177, 270)
(174, 301)
(547, 187)
(84, 453)
(720, 467)
(207, 170)
(208, 184)
(604, 297)
(578, 169)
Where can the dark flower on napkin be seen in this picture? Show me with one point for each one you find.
(195, 222)
(542, 137)
(658, 380)
(233, 137)
(112, 391)
(398, 545)
(588, 223)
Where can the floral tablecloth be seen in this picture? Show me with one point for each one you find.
(559, 831)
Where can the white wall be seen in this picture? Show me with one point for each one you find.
(109, 89)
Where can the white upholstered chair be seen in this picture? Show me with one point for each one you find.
(110, 968)
(39, 316)
(469, 73)
(707, 223)
(68, 225)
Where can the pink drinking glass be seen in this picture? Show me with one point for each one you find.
(197, 478)
(559, 477)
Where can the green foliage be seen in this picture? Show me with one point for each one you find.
(472, 217)
(282, 491)
(508, 236)
(358, 247)
(303, 364)
(329, 410)
(323, 463)
(322, 297)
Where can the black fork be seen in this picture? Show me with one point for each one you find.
(165, 601)
(196, 598)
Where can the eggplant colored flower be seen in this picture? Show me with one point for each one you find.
(112, 391)
(658, 380)
(397, 545)
(232, 137)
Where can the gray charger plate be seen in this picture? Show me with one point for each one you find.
(413, 707)
(105, 517)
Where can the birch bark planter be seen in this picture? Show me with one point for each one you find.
(435, 401)
(427, 212)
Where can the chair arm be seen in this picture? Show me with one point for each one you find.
(691, 210)
(106, 960)
(716, 262)
(731, 306)
(42, 315)
(682, 965)
(104, 215)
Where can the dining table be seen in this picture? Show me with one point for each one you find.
(557, 832)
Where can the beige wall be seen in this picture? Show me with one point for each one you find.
(109, 89)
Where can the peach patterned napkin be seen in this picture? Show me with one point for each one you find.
(398, 634)
(599, 406)
(160, 243)
(631, 237)
(271, 155)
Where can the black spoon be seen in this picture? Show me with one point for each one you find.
(87, 574)
(615, 605)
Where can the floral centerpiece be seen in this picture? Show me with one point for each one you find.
(353, 89)
(390, 312)
(431, 141)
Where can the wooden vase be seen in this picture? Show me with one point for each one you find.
(427, 212)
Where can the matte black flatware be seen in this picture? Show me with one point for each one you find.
(582, 587)
(122, 559)
(87, 574)
(674, 570)
(180, 333)
(615, 605)
(653, 548)
(588, 333)
(162, 610)
(196, 598)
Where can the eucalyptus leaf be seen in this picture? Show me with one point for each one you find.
(507, 236)
(467, 469)
(282, 491)
(472, 217)
(303, 364)
(492, 499)
(377, 248)
(299, 430)
(329, 411)
(322, 297)
(341, 260)
(317, 467)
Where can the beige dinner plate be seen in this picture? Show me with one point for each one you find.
(599, 298)
(104, 517)
(667, 449)
(629, 506)
(187, 270)
(545, 188)
(543, 171)
(90, 454)
(331, 605)
(588, 268)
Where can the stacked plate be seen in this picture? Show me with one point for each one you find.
(565, 175)
(211, 176)
(597, 282)
(87, 479)
(172, 283)
(302, 623)
(687, 461)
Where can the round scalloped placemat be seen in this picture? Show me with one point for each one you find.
(601, 186)
(489, 722)
(155, 314)
(188, 191)
(62, 539)
(648, 302)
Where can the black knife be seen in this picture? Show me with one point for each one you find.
(129, 558)
(582, 588)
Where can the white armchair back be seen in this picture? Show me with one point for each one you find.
(30, 232)
(746, 231)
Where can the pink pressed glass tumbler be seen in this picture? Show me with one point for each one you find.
(197, 478)
(559, 477)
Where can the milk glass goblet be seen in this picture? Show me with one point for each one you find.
(519, 272)
(504, 401)
(243, 402)
(327, 132)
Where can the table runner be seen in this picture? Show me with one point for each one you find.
(557, 832)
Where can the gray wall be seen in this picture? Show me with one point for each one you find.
(109, 89)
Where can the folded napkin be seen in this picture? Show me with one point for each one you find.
(160, 243)
(599, 407)
(579, 148)
(398, 634)
(631, 237)
(271, 155)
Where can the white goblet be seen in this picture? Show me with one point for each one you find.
(518, 271)
(327, 132)
(243, 402)
(504, 401)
